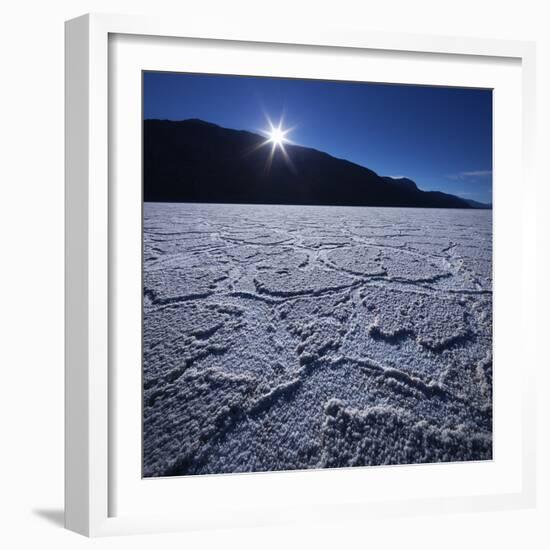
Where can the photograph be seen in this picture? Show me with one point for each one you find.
(317, 274)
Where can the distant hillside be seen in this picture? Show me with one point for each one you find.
(196, 161)
(480, 205)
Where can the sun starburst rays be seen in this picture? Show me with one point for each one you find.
(276, 136)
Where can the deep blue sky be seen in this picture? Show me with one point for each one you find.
(439, 137)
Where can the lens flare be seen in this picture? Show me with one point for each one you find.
(277, 136)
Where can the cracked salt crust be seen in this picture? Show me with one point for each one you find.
(288, 337)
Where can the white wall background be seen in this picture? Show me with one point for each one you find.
(31, 266)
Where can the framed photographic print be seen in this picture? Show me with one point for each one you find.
(301, 310)
(294, 276)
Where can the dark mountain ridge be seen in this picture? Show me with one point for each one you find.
(479, 205)
(197, 161)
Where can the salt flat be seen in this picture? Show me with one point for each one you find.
(293, 337)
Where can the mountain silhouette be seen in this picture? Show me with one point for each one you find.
(479, 205)
(197, 161)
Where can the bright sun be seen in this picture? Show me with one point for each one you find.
(277, 135)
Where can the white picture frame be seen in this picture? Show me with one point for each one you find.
(93, 399)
